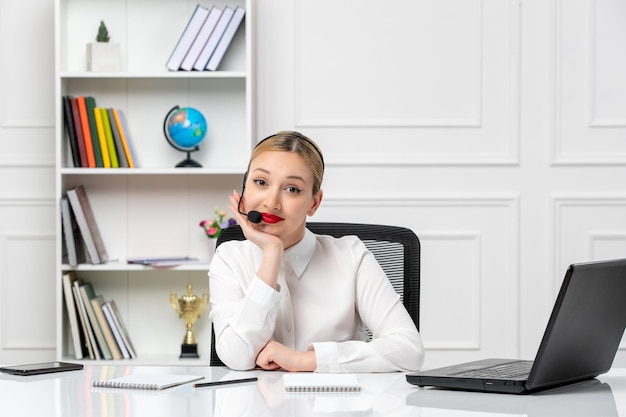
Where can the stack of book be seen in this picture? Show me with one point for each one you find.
(98, 137)
(98, 331)
(206, 38)
(81, 235)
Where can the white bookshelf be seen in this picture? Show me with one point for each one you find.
(154, 209)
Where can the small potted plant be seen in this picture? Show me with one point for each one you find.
(102, 55)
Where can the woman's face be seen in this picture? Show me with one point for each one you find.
(279, 185)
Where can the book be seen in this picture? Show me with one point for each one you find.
(84, 122)
(216, 35)
(72, 313)
(151, 260)
(87, 224)
(106, 311)
(106, 160)
(119, 330)
(90, 103)
(202, 38)
(146, 381)
(71, 234)
(78, 129)
(314, 382)
(71, 133)
(87, 293)
(96, 303)
(124, 139)
(89, 337)
(106, 124)
(188, 36)
(126, 135)
(226, 39)
(119, 147)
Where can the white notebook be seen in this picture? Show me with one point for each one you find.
(146, 381)
(314, 382)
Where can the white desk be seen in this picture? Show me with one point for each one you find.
(70, 394)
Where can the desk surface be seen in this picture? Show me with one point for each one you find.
(70, 394)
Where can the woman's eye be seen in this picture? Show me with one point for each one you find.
(293, 190)
(259, 182)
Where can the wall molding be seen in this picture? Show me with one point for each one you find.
(17, 342)
(26, 161)
(490, 148)
(558, 202)
(510, 202)
(594, 127)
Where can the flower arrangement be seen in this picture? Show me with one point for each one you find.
(213, 227)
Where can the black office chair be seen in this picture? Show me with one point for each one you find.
(397, 250)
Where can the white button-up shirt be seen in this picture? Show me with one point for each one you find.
(330, 291)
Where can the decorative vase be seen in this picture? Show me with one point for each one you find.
(103, 57)
(212, 244)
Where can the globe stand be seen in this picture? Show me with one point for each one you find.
(188, 162)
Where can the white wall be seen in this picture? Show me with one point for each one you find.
(494, 129)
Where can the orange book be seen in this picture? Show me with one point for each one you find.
(125, 139)
(84, 122)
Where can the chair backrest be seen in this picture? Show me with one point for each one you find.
(397, 250)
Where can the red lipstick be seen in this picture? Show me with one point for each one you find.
(270, 218)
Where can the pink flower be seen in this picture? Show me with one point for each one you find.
(213, 227)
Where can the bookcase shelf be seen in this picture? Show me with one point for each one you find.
(152, 171)
(125, 267)
(155, 208)
(165, 74)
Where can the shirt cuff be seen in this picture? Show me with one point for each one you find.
(326, 356)
(262, 294)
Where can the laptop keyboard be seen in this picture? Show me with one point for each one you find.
(505, 371)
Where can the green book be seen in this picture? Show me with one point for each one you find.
(110, 141)
(90, 103)
(87, 294)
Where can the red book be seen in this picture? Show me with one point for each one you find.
(78, 129)
(84, 122)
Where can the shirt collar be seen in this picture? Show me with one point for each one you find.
(299, 255)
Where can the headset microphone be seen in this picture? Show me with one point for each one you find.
(253, 215)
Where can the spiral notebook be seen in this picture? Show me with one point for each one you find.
(313, 382)
(146, 381)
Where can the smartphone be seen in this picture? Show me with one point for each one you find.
(41, 368)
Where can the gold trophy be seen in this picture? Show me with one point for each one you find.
(189, 307)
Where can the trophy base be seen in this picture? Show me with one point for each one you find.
(189, 351)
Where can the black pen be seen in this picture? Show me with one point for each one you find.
(231, 381)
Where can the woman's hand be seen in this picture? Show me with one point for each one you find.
(250, 230)
(272, 246)
(278, 356)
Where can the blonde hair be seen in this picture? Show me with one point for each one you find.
(292, 141)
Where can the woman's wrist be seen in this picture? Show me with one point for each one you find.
(309, 361)
(270, 266)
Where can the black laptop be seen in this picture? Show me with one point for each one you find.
(579, 343)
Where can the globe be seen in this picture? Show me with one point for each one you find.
(184, 129)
